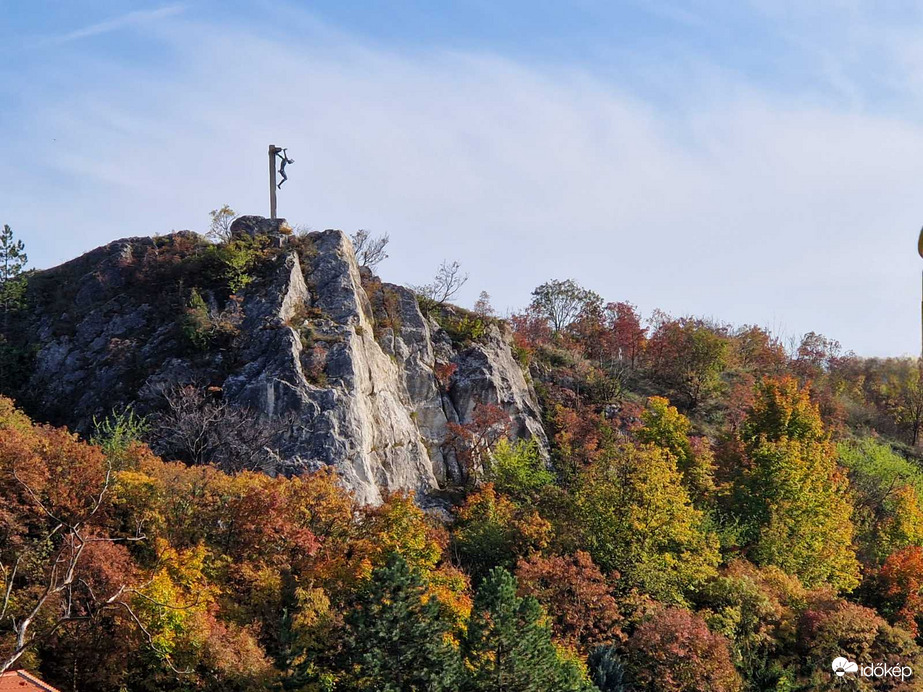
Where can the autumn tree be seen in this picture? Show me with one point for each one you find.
(370, 250)
(674, 651)
(288, 540)
(530, 330)
(738, 605)
(493, 531)
(903, 524)
(398, 526)
(577, 596)
(199, 519)
(561, 302)
(610, 335)
(59, 565)
(903, 395)
(665, 427)
(783, 410)
(219, 228)
(591, 335)
(758, 351)
(637, 519)
(689, 355)
(579, 434)
(814, 355)
(473, 442)
(792, 495)
(899, 588)
(261, 523)
(518, 469)
(627, 335)
(832, 627)
(888, 512)
(508, 646)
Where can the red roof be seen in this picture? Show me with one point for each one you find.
(21, 681)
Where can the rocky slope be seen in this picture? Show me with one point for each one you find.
(347, 369)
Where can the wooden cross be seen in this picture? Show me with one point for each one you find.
(920, 251)
(281, 153)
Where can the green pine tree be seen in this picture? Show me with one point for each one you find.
(13, 261)
(508, 645)
(396, 639)
(12, 298)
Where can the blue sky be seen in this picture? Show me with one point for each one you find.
(755, 162)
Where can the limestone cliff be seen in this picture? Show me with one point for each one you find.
(286, 328)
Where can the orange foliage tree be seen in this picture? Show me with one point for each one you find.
(674, 651)
(577, 597)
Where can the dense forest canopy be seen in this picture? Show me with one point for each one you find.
(721, 511)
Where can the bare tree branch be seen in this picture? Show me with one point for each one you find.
(370, 250)
(446, 285)
(202, 429)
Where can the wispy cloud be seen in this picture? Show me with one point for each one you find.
(137, 18)
(674, 13)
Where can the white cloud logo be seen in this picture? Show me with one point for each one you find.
(841, 666)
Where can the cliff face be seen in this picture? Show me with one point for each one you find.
(347, 370)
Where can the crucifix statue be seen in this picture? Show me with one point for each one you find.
(281, 153)
(920, 251)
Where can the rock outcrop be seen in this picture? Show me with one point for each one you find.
(360, 377)
(254, 226)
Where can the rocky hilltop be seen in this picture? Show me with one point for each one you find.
(345, 370)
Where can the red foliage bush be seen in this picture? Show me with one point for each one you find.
(674, 651)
